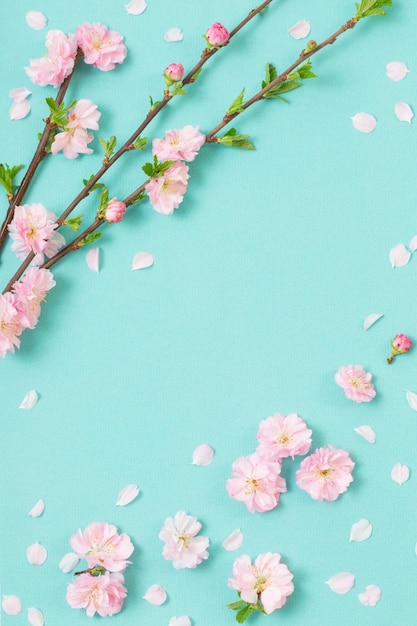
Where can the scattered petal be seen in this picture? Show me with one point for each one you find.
(19, 94)
(29, 401)
(19, 110)
(92, 259)
(36, 20)
(413, 244)
(371, 319)
(36, 554)
(233, 541)
(403, 112)
(371, 596)
(136, 7)
(411, 399)
(174, 34)
(38, 509)
(400, 473)
(361, 530)
(155, 595)
(141, 260)
(341, 583)
(68, 562)
(399, 255)
(184, 620)
(127, 495)
(35, 617)
(11, 605)
(366, 432)
(203, 455)
(300, 30)
(364, 122)
(396, 70)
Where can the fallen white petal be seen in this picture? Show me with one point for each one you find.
(396, 70)
(399, 255)
(413, 244)
(366, 432)
(364, 122)
(300, 30)
(411, 399)
(29, 401)
(341, 583)
(68, 562)
(400, 473)
(38, 509)
(36, 20)
(36, 554)
(19, 94)
(184, 620)
(155, 595)
(127, 494)
(19, 110)
(35, 617)
(92, 259)
(233, 541)
(403, 112)
(141, 260)
(360, 531)
(203, 455)
(174, 34)
(136, 7)
(11, 605)
(371, 319)
(371, 596)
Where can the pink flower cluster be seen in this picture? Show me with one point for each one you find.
(33, 229)
(182, 545)
(179, 145)
(101, 47)
(58, 62)
(74, 139)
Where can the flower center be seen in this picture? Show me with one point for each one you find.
(252, 485)
(356, 382)
(185, 540)
(283, 439)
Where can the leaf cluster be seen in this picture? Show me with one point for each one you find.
(108, 146)
(293, 81)
(232, 139)
(74, 222)
(237, 104)
(367, 8)
(58, 112)
(94, 187)
(156, 168)
(153, 105)
(7, 176)
(90, 238)
(244, 610)
(141, 143)
(178, 90)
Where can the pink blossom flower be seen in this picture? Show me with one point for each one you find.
(31, 292)
(84, 115)
(57, 64)
(281, 436)
(179, 145)
(33, 230)
(101, 47)
(173, 73)
(102, 594)
(267, 580)
(326, 473)
(256, 482)
(11, 324)
(356, 383)
(101, 545)
(166, 192)
(217, 35)
(72, 142)
(182, 546)
(115, 211)
(399, 345)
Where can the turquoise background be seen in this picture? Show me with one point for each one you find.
(260, 285)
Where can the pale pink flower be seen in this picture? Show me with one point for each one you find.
(166, 192)
(57, 64)
(267, 580)
(182, 546)
(281, 436)
(356, 383)
(31, 292)
(101, 47)
(217, 34)
(102, 545)
(33, 230)
(179, 145)
(256, 482)
(173, 73)
(84, 115)
(115, 211)
(102, 594)
(326, 473)
(72, 142)
(11, 324)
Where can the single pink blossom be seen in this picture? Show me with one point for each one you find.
(166, 192)
(182, 546)
(33, 230)
(101, 47)
(102, 545)
(266, 580)
(281, 436)
(12, 323)
(31, 292)
(115, 211)
(57, 64)
(399, 345)
(173, 73)
(102, 594)
(217, 35)
(179, 145)
(84, 115)
(72, 142)
(256, 482)
(356, 383)
(326, 473)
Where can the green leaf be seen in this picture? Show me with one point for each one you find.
(236, 106)
(287, 85)
(90, 238)
(303, 72)
(58, 112)
(270, 74)
(156, 168)
(108, 146)
(103, 201)
(153, 104)
(367, 8)
(139, 198)
(233, 140)
(7, 176)
(74, 222)
(178, 90)
(148, 169)
(245, 612)
(196, 75)
(95, 186)
(141, 143)
(235, 605)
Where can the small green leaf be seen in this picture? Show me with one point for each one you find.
(148, 169)
(95, 186)
(153, 104)
(178, 90)
(234, 140)
(7, 176)
(245, 612)
(236, 106)
(156, 168)
(74, 222)
(303, 72)
(235, 605)
(139, 198)
(58, 112)
(90, 238)
(108, 146)
(367, 8)
(196, 75)
(103, 201)
(270, 74)
(141, 143)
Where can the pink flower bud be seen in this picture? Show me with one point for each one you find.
(173, 73)
(115, 211)
(217, 35)
(399, 345)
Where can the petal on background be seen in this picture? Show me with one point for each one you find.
(413, 244)
(399, 255)
(371, 319)
(400, 473)
(366, 432)
(36, 554)
(403, 112)
(68, 562)
(155, 595)
(203, 455)
(360, 531)
(184, 620)
(300, 30)
(29, 401)
(371, 596)
(19, 94)
(11, 605)
(411, 399)
(127, 495)
(36, 20)
(233, 541)
(92, 259)
(364, 122)
(35, 617)
(396, 70)
(136, 7)
(141, 260)
(19, 110)
(174, 34)
(341, 583)
(38, 509)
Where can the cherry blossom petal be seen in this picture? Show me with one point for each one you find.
(371, 596)
(68, 562)
(36, 554)
(155, 595)
(400, 473)
(360, 531)
(35, 617)
(11, 605)
(29, 401)
(411, 399)
(399, 255)
(141, 260)
(203, 455)
(174, 34)
(36, 20)
(127, 495)
(233, 541)
(38, 509)
(396, 70)
(184, 620)
(413, 244)
(136, 7)
(341, 583)
(403, 112)
(364, 122)
(19, 110)
(300, 30)
(92, 259)
(19, 94)
(371, 319)
(366, 432)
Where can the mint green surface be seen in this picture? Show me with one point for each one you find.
(260, 285)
